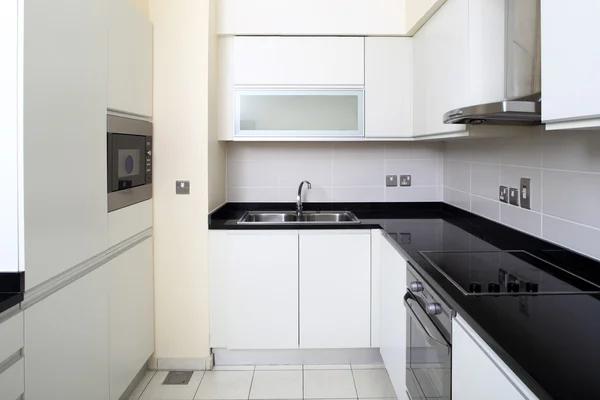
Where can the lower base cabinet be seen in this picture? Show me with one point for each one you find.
(393, 328)
(131, 310)
(66, 342)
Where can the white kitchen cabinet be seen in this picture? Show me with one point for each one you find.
(66, 342)
(289, 61)
(131, 310)
(335, 289)
(388, 87)
(64, 139)
(12, 381)
(263, 289)
(299, 113)
(570, 84)
(458, 58)
(130, 41)
(478, 373)
(393, 315)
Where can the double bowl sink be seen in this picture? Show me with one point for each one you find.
(293, 217)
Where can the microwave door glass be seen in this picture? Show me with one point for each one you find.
(129, 167)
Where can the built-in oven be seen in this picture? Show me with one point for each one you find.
(429, 341)
(129, 160)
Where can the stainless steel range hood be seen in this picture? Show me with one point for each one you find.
(522, 100)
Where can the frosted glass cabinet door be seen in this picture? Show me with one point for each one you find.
(299, 113)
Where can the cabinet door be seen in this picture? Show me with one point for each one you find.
(64, 138)
(477, 373)
(66, 337)
(131, 315)
(299, 61)
(441, 68)
(393, 316)
(263, 292)
(335, 289)
(388, 87)
(129, 59)
(570, 84)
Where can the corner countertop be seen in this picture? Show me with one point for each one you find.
(12, 286)
(549, 341)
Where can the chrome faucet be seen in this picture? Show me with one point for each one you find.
(299, 198)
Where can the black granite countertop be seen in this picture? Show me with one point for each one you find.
(12, 286)
(550, 342)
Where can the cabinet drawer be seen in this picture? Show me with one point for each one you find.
(11, 336)
(299, 61)
(12, 381)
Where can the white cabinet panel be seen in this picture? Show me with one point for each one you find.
(12, 381)
(130, 41)
(570, 84)
(9, 137)
(131, 334)
(219, 287)
(11, 336)
(335, 289)
(66, 337)
(393, 316)
(129, 221)
(263, 295)
(298, 61)
(478, 373)
(64, 106)
(388, 87)
(441, 68)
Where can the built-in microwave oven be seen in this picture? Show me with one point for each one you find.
(129, 160)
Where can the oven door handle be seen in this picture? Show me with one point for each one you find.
(424, 321)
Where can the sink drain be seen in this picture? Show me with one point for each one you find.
(178, 378)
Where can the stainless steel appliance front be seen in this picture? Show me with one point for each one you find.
(429, 342)
(129, 162)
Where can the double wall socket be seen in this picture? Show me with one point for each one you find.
(404, 180)
(391, 180)
(513, 196)
(503, 195)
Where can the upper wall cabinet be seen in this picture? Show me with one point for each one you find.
(570, 84)
(388, 87)
(458, 61)
(328, 61)
(311, 17)
(130, 40)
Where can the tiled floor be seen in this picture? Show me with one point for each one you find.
(332, 382)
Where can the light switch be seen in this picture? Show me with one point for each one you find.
(525, 193)
(391, 180)
(182, 187)
(513, 197)
(503, 195)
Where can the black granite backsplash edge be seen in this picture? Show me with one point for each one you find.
(12, 282)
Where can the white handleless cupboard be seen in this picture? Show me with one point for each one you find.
(263, 289)
(393, 315)
(335, 289)
(478, 373)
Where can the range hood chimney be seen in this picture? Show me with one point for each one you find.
(522, 98)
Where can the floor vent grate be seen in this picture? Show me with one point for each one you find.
(178, 378)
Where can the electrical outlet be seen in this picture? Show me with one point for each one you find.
(391, 180)
(525, 192)
(404, 180)
(405, 238)
(503, 195)
(513, 196)
(182, 187)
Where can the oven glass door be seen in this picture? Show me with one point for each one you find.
(428, 355)
(126, 167)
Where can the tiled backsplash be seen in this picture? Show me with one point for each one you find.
(564, 168)
(338, 171)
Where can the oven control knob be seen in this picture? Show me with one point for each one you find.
(416, 286)
(149, 153)
(434, 308)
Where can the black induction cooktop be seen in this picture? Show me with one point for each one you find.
(506, 273)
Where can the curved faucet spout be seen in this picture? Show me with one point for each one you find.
(299, 198)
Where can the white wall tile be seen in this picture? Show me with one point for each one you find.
(485, 180)
(583, 239)
(358, 194)
(486, 150)
(321, 194)
(457, 175)
(572, 150)
(572, 195)
(521, 219)
(413, 193)
(525, 151)
(458, 150)
(252, 173)
(426, 150)
(318, 172)
(457, 198)
(358, 151)
(423, 172)
(252, 193)
(359, 172)
(487, 208)
(398, 151)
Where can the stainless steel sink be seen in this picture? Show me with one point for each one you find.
(306, 217)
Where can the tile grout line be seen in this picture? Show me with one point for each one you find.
(147, 384)
(201, 379)
(251, 382)
(354, 381)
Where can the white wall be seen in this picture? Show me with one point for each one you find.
(416, 9)
(143, 6)
(338, 171)
(181, 101)
(564, 168)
